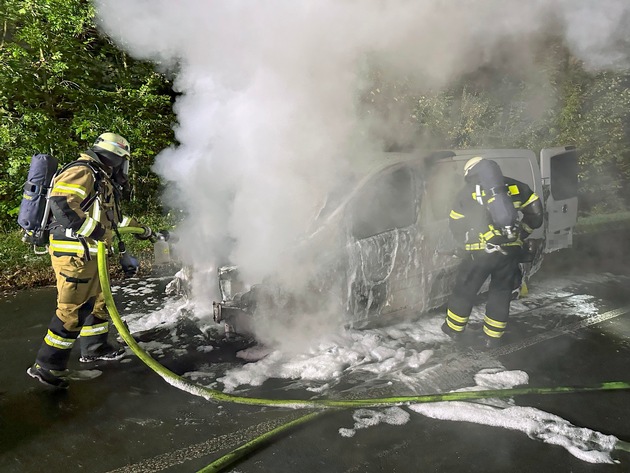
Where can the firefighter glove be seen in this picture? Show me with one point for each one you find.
(129, 265)
(148, 233)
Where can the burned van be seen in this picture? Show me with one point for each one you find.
(389, 253)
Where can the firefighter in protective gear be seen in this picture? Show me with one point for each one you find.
(85, 205)
(489, 252)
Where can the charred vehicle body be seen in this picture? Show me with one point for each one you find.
(384, 249)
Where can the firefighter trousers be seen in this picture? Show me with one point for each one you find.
(503, 271)
(80, 311)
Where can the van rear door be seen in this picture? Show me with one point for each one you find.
(559, 172)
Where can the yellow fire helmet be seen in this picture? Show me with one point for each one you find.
(471, 164)
(113, 143)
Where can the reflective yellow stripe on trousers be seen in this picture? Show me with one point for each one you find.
(56, 341)
(91, 330)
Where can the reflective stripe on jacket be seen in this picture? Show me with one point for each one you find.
(84, 209)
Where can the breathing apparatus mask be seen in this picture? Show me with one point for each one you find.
(121, 176)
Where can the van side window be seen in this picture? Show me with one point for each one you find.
(383, 204)
(444, 182)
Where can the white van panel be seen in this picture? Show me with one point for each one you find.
(559, 176)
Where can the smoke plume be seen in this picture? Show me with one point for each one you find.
(269, 110)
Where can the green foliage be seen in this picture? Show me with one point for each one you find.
(556, 103)
(62, 84)
(21, 268)
(603, 135)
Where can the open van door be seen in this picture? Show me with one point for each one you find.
(559, 172)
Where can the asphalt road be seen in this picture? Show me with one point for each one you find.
(130, 420)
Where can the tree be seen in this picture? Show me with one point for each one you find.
(62, 84)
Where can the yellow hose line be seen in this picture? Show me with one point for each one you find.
(241, 452)
(215, 395)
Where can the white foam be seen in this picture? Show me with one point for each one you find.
(364, 418)
(585, 444)
(405, 355)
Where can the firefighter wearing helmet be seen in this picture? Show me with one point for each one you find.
(492, 215)
(85, 203)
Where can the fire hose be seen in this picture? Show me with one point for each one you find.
(320, 404)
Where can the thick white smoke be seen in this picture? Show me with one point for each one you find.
(269, 90)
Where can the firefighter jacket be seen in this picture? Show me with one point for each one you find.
(471, 223)
(85, 207)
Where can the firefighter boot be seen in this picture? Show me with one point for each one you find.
(451, 333)
(101, 351)
(94, 342)
(50, 378)
(96, 347)
(491, 342)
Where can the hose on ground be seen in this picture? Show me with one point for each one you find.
(219, 396)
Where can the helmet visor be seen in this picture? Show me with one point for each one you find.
(124, 168)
